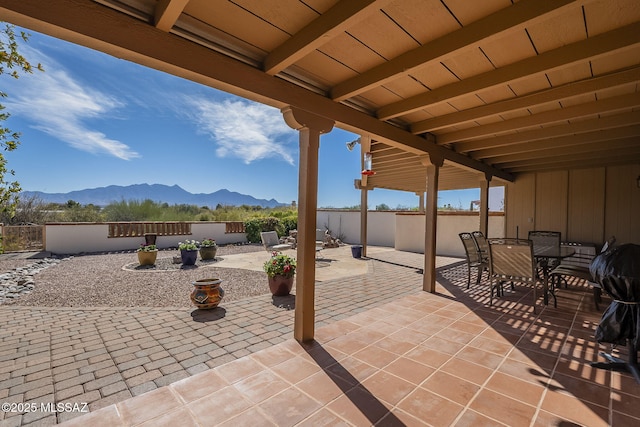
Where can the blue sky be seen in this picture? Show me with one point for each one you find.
(92, 120)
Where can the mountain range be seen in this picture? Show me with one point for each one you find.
(172, 195)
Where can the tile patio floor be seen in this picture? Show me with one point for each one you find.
(385, 354)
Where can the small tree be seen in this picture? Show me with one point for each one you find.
(12, 63)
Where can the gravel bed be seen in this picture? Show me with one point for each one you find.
(112, 280)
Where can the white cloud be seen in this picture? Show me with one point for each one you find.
(244, 129)
(57, 104)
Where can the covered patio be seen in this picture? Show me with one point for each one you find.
(539, 96)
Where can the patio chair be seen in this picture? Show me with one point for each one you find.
(481, 241)
(474, 258)
(271, 242)
(582, 271)
(319, 241)
(511, 260)
(542, 240)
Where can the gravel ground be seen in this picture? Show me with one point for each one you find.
(112, 280)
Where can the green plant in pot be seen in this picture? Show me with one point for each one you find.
(189, 251)
(208, 249)
(147, 254)
(280, 269)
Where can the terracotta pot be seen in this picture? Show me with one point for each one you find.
(207, 293)
(147, 258)
(208, 253)
(280, 285)
(189, 257)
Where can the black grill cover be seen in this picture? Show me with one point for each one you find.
(618, 272)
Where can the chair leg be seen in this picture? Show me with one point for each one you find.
(468, 276)
(479, 276)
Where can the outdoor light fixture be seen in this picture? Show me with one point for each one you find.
(351, 145)
(367, 165)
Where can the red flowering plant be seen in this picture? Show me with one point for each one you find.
(280, 265)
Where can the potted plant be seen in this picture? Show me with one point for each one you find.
(147, 254)
(208, 249)
(189, 251)
(281, 270)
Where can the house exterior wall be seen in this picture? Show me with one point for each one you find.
(585, 205)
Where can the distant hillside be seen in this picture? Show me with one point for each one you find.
(157, 192)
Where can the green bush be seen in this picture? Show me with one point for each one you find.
(289, 223)
(254, 226)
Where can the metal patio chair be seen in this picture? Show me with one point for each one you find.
(511, 260)
(474, 258)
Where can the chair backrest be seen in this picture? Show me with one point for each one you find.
(470, 247)
(513, 259)
(545, 239)
(481, 241)
(319, 235)
(269, 238)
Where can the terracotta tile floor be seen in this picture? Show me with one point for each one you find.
(422, 359)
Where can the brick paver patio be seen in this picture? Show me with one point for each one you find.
(385, 353)
(105, 355)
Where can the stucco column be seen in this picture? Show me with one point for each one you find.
(310, 127)
(420, 201)
(433, 165)
(484, 204)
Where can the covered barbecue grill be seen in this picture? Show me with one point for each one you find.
(618, 273)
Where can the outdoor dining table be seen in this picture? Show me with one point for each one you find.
(544, 255)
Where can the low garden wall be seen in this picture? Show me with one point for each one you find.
(401, 230)
(72, 238)
(405, 230)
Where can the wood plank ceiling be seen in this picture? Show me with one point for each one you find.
(495, 87)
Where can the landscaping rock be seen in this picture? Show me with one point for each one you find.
(20, 281)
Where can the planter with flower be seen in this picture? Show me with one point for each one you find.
(147, 254)
(281, 270)
(189, 251)
(208, 249)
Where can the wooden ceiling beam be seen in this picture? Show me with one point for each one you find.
(618, 159)
(524, 158)
(90, 24)
(563, 141)
(168, 12)
(599, 45)
(589, 109)
(509, 19)
(325, 28)
(396, 159)
(545, 96)
(617, 121)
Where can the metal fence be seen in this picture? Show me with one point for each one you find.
(17, 238)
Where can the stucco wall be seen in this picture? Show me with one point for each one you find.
(405, 231)
(410, 231)
(380, 226)
(72, 238)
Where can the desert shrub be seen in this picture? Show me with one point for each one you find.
(254, 226)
